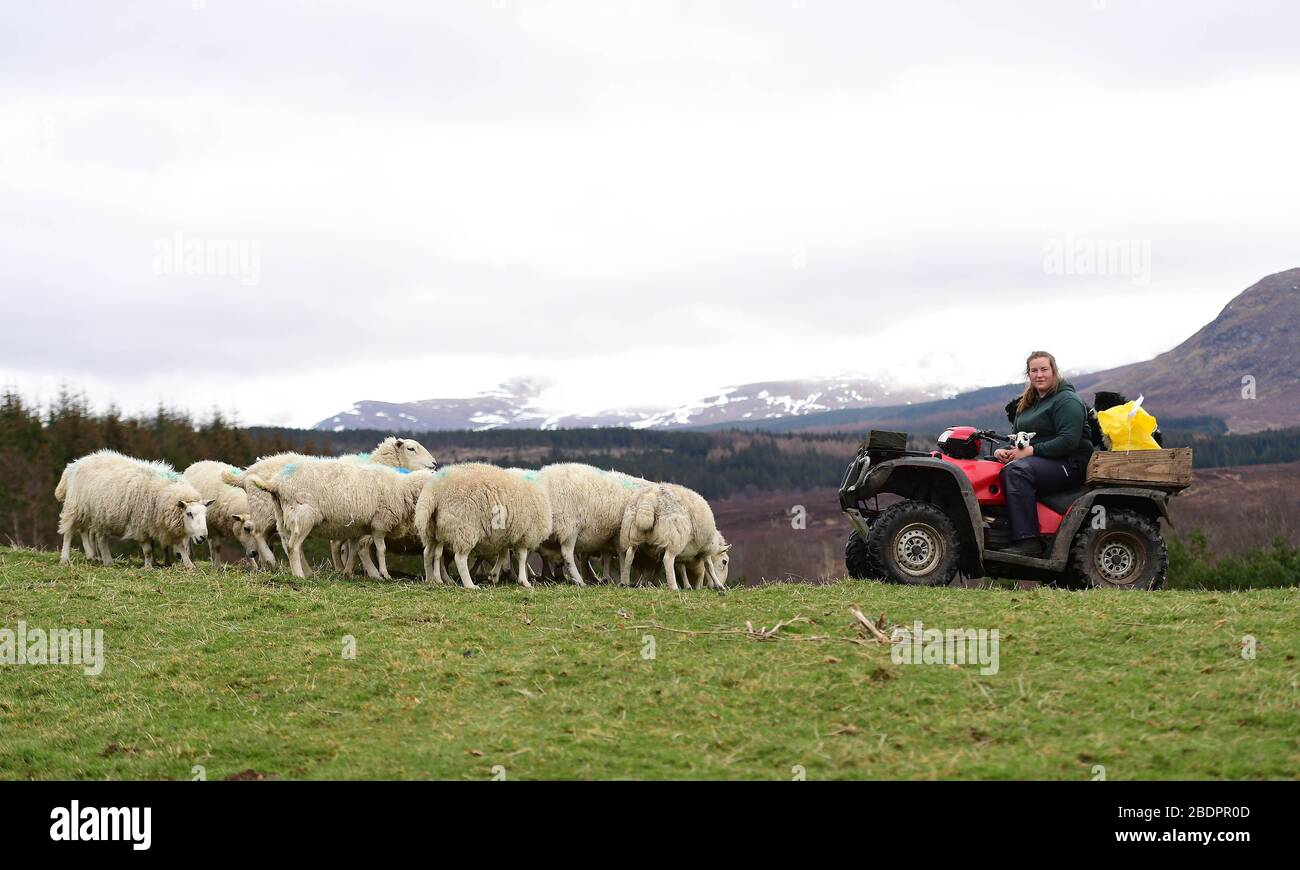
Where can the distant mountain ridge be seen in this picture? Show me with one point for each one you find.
(516, 405)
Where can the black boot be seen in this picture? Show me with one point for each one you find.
(1031, 547)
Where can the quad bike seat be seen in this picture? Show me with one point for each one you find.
(1061, 501)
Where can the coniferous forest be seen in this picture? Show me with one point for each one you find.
(37, 442)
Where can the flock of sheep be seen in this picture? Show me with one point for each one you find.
(569, 513)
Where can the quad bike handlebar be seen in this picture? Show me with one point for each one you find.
(994, 436)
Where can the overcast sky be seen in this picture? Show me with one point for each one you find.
(636, 203)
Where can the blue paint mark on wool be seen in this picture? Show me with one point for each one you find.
(289, 469)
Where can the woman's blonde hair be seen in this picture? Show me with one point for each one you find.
(1030, 396)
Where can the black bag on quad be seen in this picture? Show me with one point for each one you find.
(944, 513)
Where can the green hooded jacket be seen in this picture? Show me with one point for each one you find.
(1058, 423)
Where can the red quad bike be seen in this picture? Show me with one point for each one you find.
(952, 517)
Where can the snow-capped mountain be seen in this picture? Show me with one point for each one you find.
(518, 405)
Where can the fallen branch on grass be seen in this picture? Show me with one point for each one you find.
(763, 633)
(869, 626)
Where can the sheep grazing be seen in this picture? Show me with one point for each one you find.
(229, 515)
(677, 522)
(393, 452)
(693, 571)
(69, 522)
(587, 505)
(341, 500)
(261, 506)
(482, 510)
(110, 495)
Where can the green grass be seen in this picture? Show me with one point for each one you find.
(239, 671)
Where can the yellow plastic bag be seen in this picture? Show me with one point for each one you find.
(1128, 427)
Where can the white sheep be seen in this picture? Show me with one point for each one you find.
(394, 452)
(229, 515)
(261, 506)
(587, 506)
(111, 495)
(677, 522)
(341, 500)
(693, 571)
(480, 509)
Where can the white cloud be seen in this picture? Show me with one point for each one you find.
(445, 197)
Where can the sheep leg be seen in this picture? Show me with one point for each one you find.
(495, 574)
(522, 573)
(146, 547)
(335, 561)
(105, 554)
(300, 527)
(682, 579)
(625, 566)
(66, 555)
(350, 561)
(566, 548)
(183, 548)
(214, 550)
(604, 567)
(369, 564)
(264, 551)
(433, 563)
(462, 568)
(670, 570)
(381, 550)
(438, 567)
(88, 544)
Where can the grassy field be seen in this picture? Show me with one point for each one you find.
(244, 674)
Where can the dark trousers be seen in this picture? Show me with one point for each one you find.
(1026, 479)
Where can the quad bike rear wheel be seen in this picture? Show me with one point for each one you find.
(1129, 553)
(858, 560)
(914, 542)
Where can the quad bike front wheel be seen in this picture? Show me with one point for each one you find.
(914, 542)
(858, 560)
(1129, 553)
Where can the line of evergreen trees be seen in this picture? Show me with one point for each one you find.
(36, 444)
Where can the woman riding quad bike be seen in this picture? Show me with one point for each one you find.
(1020, 503)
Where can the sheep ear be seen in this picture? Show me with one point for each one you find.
(397, 443)
(209, 502)
(181, 504)
(1031, 434)
(726, 549)
(237, 518)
